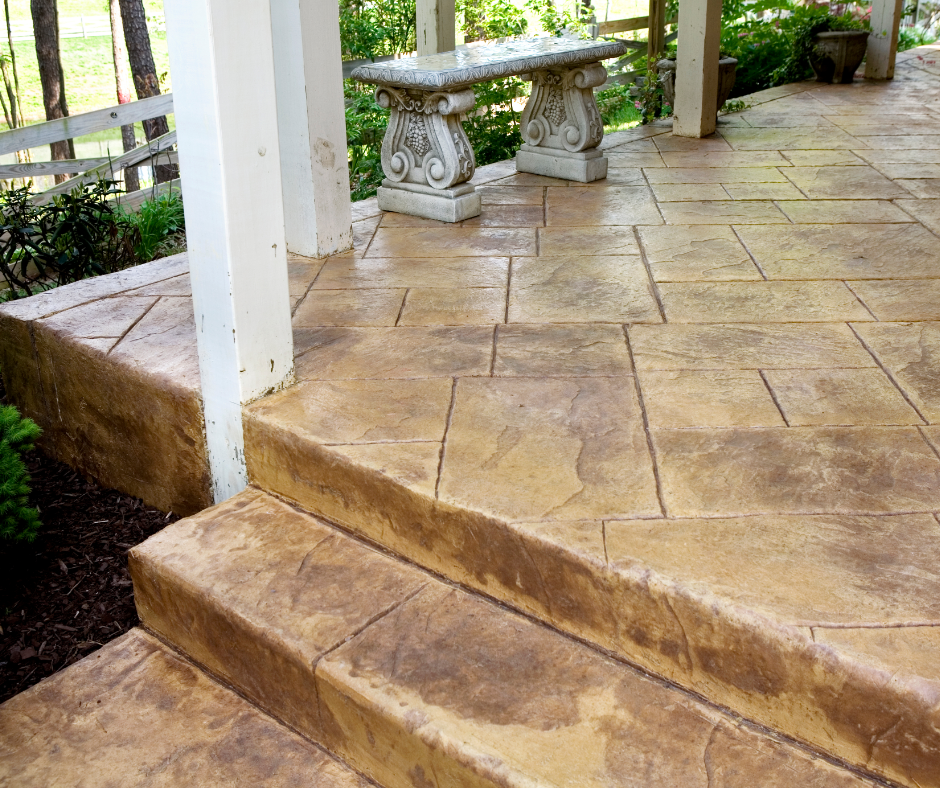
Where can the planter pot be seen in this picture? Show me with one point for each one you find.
(837, 54)
(727, 67)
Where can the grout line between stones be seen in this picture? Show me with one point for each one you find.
(887, 372)
(134, 324)
(773, 396)
(493, 356)
(860, 300)
(920, 429)
(757, 265)
(401, 309)
(646, 426)
(509, 283)
(450, 418)
(649, 273)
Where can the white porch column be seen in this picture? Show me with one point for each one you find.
(437, 23)
(697, 68)
(312, 126)
(226, 117)
(883, 41)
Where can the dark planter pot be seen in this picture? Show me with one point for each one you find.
(837, 54)
(727, 68)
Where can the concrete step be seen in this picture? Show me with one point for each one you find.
(418, 683)
(824, 627)
(136, 714)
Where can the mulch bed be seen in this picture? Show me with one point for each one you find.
(69, 592)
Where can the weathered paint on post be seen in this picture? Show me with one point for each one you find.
(883, 41)
(312, 126)
(697, 68)
(226, 116)
(436, 26)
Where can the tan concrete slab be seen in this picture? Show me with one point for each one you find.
(906, 124)
(695, 253)
(775, 302)
(511, 195)
(404, 352)
(915, 142)
(450, 687)
(855, 183)
(900, 299)
(109, 317)
(600, 206)
(508, 216)
(723, 212)
(440, 306)
(851, 397)
(502, 429)
(926, 189)
(683, 192)
(670, 142)
(378, 272)
(724, 159)
(392, 220)
(134, 714)
(451, 242)
(802, 138)
(865, 251)
(920, 169)
(181, 285)
(763, 191)
(568, 351)
(618, 158)
(804, 570)
(282, 588)
(746, 346)
(823, 158)
(716, 175)
(694, 399)
(843, 212)
(915, 156)
(349, 308)
(910, 651)
(769, 117)
(616, 176)
(362, 411)
(412, 465)
(927, 212)
(910, 352)
(554, 241)
(799, 470)
(581, 289)
(528, 179)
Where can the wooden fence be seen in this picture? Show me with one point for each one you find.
(624, 70)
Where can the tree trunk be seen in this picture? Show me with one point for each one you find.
(122, 78)
(144, 72)
(46, 30)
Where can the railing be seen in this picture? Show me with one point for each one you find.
(655, 22)
(78, 26)
(155, 151)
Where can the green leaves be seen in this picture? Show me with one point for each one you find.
(18, 520)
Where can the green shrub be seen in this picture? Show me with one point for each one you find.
(155, 222)
(18, 520)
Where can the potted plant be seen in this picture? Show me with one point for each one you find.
(833, 46)
(727, 68)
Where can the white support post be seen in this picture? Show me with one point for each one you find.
(222, 59)
(312, 126)
(437, 26)
(697, 68)
(883, 41)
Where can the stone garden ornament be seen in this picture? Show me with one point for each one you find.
(426, 156)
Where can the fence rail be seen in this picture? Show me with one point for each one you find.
(77, 27)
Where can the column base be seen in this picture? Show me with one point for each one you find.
(446, 205)
(584, 167)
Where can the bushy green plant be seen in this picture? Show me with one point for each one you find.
(75, 236)
(493, 126)
(915, 36)
(366, 122)
(18, 520)
(370, 28)
(154, 222)
(486, 19)
(800, 27)
(618, 108)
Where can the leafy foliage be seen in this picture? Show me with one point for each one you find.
(75, 236)
(155, 222)
(486, 19)
(803, 23)
(370, 28)
(18, 520)
(365, 126)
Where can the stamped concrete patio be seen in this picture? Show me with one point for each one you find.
(689, 414)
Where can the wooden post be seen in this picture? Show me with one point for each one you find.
(883, 41)
(222, 58)
(657, 29)
(697, 68)
(437, 25)
(312, 126)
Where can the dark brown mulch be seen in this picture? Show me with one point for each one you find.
(69, 592)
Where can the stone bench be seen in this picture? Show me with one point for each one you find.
(426, 156)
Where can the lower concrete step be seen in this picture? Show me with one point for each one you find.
(419, 684)
(136, 714)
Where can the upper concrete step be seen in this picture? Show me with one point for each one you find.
(824, 627)
(135, 714)
(419, 684)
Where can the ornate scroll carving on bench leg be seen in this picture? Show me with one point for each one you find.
(561, 125)
(426, 156)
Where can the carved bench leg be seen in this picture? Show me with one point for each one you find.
(561, 125)
(426, 156)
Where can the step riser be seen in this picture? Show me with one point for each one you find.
(775, 675)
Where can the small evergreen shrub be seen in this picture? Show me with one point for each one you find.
(18, 520)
